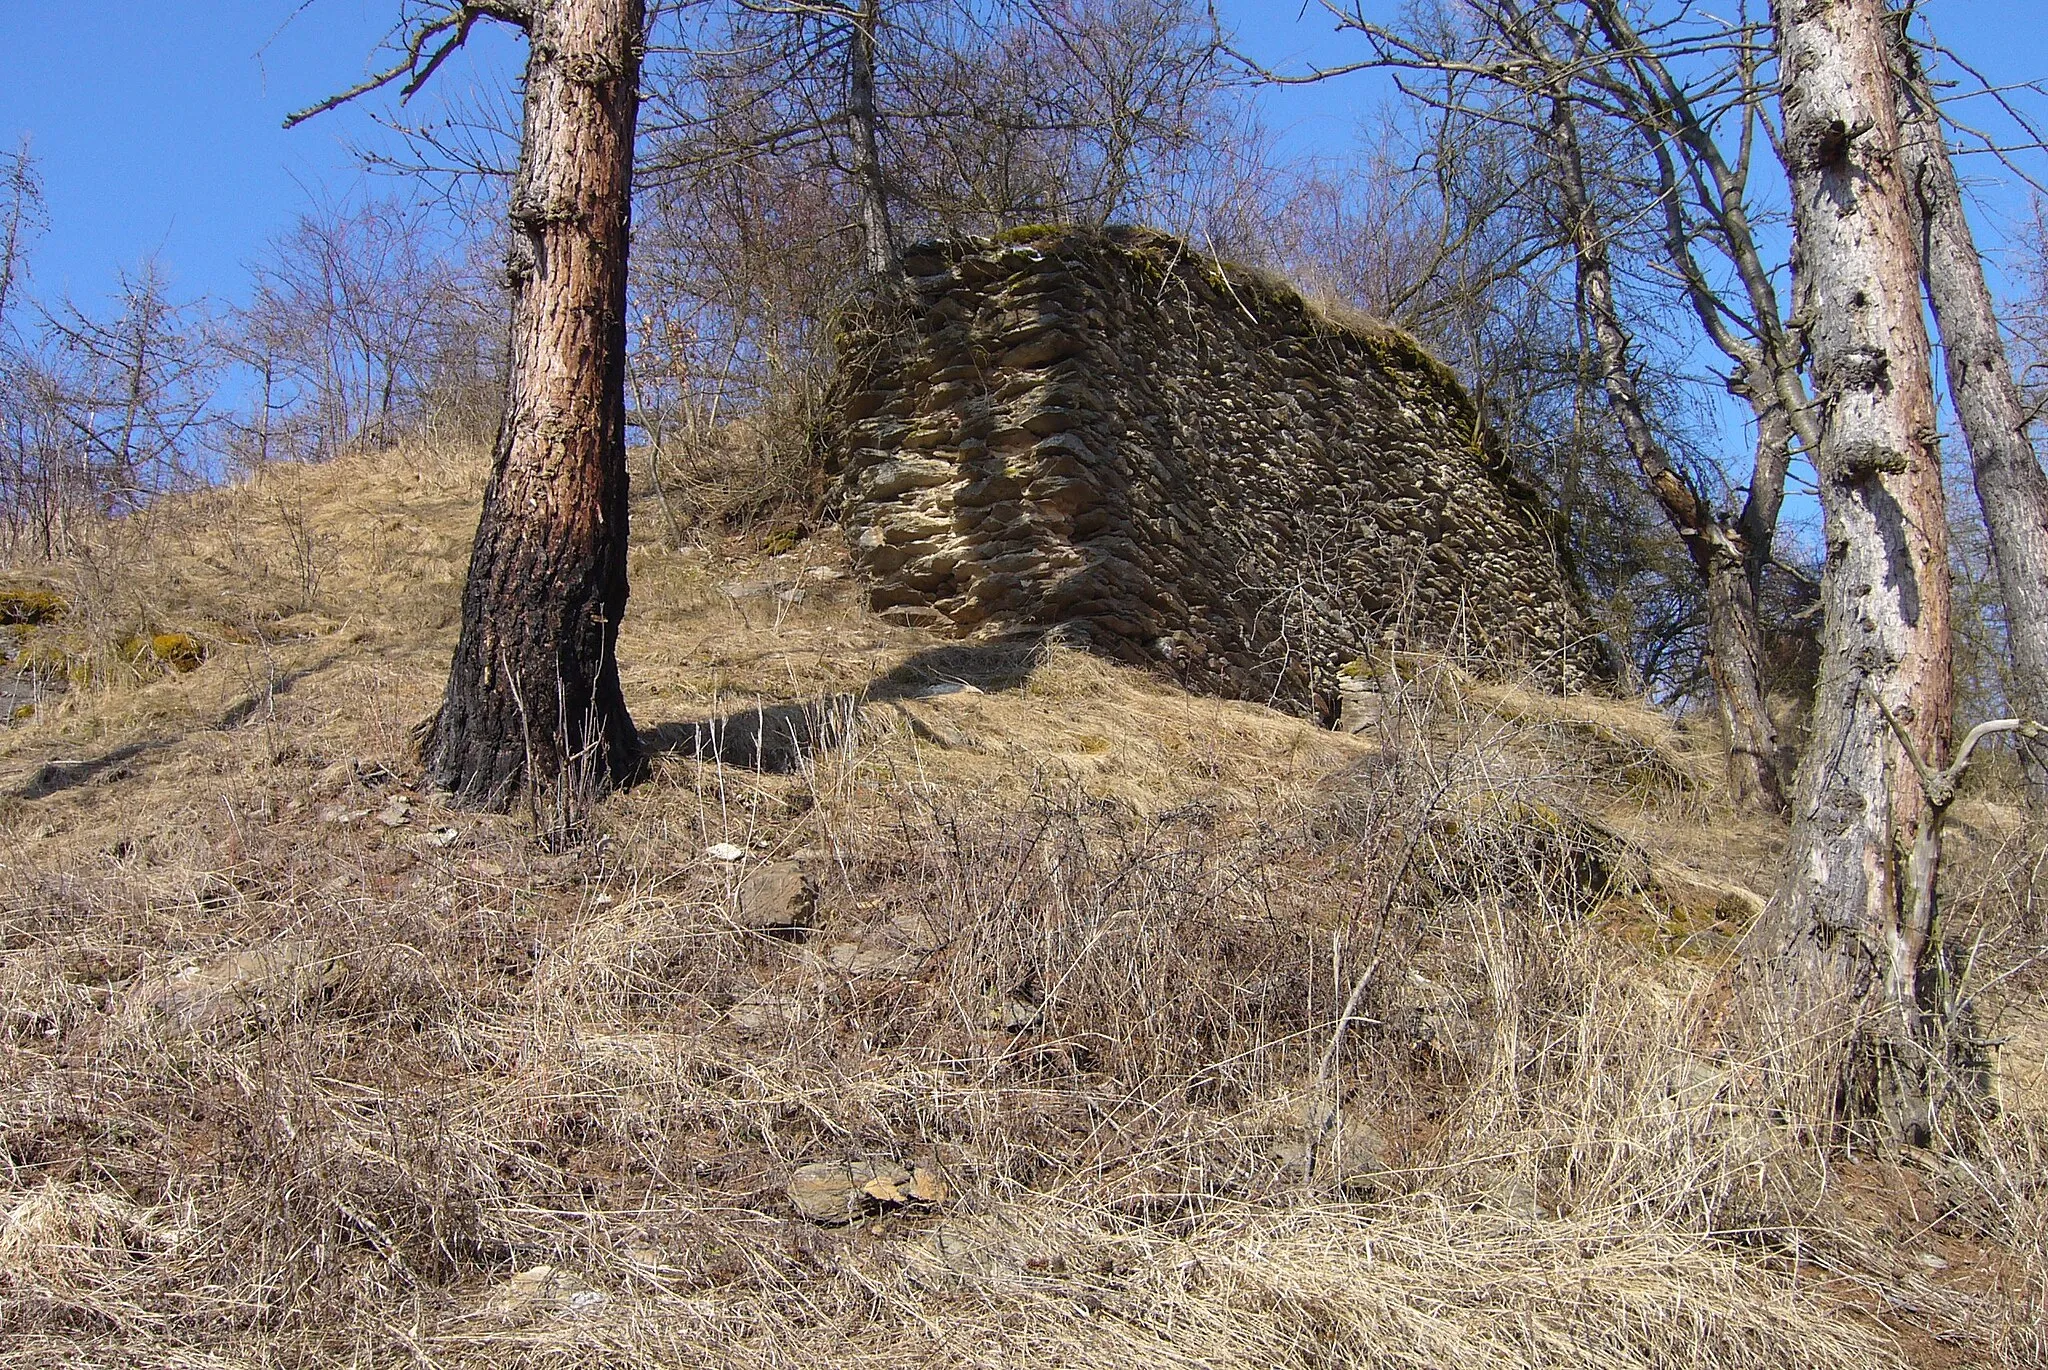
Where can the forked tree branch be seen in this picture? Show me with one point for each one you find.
(1940, 786)
(418, 65)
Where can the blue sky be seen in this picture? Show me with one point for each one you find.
(156, 125)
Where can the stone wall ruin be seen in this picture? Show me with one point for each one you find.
(1183, 464)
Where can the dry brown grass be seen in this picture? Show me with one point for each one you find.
(1081, 942)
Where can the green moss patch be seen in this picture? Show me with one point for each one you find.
(178, 652)
(784, 538)
(23, 606)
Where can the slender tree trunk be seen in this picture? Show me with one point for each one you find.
(533, 695)
(1757, 524)
(2010, 484)
(10, 250)
(1734, 638)
(1839, 951)
(263, 425)
(878, 235)
(1735, 661)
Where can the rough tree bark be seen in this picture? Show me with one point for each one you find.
(1838, 953)
(2010, 484)
(1719, 555)
(533, 695)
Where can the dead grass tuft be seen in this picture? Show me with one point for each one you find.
(1232, 1042)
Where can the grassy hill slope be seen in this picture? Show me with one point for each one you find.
(1029, 963)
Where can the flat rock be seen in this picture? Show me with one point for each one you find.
(1348, 1148)
(944, 688)
(542, 1291)
(932, 729)
(776, 898)
(334, 778)
(765, 1012)
(916, 930)
(1359, 710)
(266, 983)
(1014, 1014)
(913, 616)
(341, 776)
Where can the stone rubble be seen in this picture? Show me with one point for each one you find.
(839, 1192)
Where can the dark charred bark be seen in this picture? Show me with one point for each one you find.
(533, 695)
(2010, 484)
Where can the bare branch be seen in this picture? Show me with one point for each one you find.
(417, 64)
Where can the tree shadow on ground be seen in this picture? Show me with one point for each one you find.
(777, 738)
(57, 774)
(54, 776)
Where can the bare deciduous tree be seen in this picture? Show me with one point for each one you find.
(763, 208)
(364, 323)
(21, 218)
(135, 386)
(863, 120)
(1734, 636)
(102, 411)
(1446, 228)
(1548, 72)
(2011, 487)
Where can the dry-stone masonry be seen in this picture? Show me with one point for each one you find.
(1183, 463)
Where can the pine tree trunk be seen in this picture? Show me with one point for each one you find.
(533, 695)
(2010, 484)
(1838, 953)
